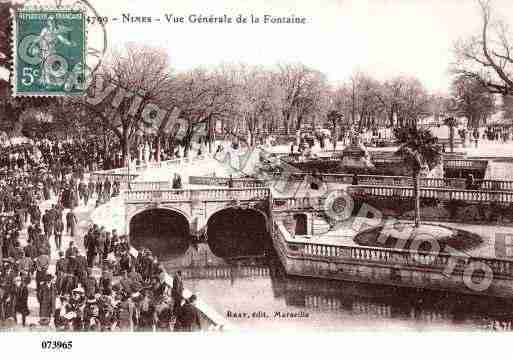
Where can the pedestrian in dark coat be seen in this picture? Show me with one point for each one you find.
(58, 229)
(46, 298)
(20, 291)
(187, 319)
(90, 284)
(177, 291)
(71, 223)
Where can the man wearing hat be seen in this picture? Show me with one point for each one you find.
(48, 221)
(105, 282)
(177, 291)
(90, 284)
(91, 314)
(71, 223)
(58, 229)
(46, 297)
(81, 266)
(100, 246)
(90, 245)
(42, 262)
(20, 292)
(187, 318)
(25, 266)
(77, 302)
(126, 313)
(164, 313)
(146, 312)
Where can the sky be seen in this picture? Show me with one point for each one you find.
(384, 38)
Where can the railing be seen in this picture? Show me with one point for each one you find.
(298, 203)
(215, 194)
(401, 181)
(248, 183)
(113, 177)
(438, 193)
(145, 166)
(153, 196)
(466, 164)
(384, 157)
(225, 182)
(208, 181)
(388, 256)
(150, 186)
(230, 194)
(495, 185)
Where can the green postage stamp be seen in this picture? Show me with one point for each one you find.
(49, 52)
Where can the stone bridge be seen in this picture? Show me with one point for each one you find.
(194, 209)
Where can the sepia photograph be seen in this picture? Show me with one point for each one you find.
(266, 166)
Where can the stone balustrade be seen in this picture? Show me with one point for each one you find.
(224, 181)
(298, 203)
(149, 186)
(465, 164)
(142, 167)
(214, 194)
(387, 256)
(113, 177)
(437, 193)
(401, 181)
(495, 185)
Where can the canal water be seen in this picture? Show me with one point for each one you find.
(254, 293)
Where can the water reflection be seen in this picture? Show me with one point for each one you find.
(259, 284)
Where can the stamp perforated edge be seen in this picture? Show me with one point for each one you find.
(14, 32)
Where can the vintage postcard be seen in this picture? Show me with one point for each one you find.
(255, 166)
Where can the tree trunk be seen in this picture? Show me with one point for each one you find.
(335, 137)
(298, 122)
(158, 149)
(451, 138)
(210, 134)
(416, 191)
(125, 147)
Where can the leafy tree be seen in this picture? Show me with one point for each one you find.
(419, 149)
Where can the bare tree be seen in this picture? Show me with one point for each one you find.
(487, 56)
(303, 93)
(205, 96)
(142, 75)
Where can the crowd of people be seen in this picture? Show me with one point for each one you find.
(96, 284)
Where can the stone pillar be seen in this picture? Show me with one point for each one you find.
(309, 223)
(290, 224)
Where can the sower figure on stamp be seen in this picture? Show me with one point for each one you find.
(50, 36)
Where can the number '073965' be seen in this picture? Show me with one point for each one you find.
(56, 344)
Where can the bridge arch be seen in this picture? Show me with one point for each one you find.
(238, 232)
(160, 229)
